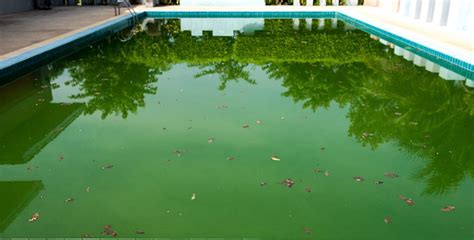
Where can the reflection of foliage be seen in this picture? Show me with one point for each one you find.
(109, 84)
(227, 71)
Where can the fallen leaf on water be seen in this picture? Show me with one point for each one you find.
(61, 157)
(140, 232)
(70, 200)
(258, 122)
(288, 182)
(358, 178)
(88, 189)
(282, 118)
(230, 158)
(317, 170)
(245, 126)
(262, 184)
(327, 173)
(86, 235)
(193, 197)
(323, 148)
(402, 197)
(378, 182)
(34, 217)
(387, 220)
(448, 208)
(409, 201)
(108, 167)
(308, 189)
(391, 175)
(210, 140)
(275, 158)
(307, 230)
(109, 231)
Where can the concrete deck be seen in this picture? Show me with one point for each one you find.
(22, 32)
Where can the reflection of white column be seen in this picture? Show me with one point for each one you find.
(427, 8)
(449, 75)
(384, 42)
(309, 22)
(470, 83)
(347, 26)
(432, 67)
(398, 51)
(334, 23)
(296, 23)
(309, 3)
(296, 2)
(441, 11)
(335, 2)
(415, 9)
(404, 7)
(322, 2)
(321, 23)
(419, 61)
(408, 55)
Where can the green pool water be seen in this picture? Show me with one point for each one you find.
(171, 135)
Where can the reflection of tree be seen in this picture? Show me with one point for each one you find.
(110, 84)
(227, 70)
(391, 100)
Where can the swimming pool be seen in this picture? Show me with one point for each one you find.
(275, 128)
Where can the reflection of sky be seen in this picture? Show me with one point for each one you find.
(62, 92)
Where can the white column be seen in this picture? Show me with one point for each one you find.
(296, 2)
(384, 42)
(404, 7)
(449, 75)
(427, 9)
(432, 67)
(322, 2)
(441, 12)
(309, 3)
(296, 23)
(398, 51)
(335, 2)
(470, 83)
(334, 23)
(321, 23)
(408, 55)
(419, 61)
(415, 9)
(309, 22)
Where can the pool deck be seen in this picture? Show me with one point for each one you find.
(27, 31)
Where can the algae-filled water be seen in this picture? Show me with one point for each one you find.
(283, 130)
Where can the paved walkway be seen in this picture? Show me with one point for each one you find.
(25, 31)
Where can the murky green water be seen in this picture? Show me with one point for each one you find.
(171, 135)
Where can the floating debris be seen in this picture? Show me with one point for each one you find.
(108, 167)
(288, 182)
(230, 158)
(402, 197)
(409, 201)
(69, 200)
(34, 217)
(326, 173)
(317, 170)
(323, 148)
(282, 118)
(448, 208)
(222, 106)
(210, 140)
(263, 184)
(140, 232)
(88, 189)
(307, 230)
(387, 220)
(378, 182)
(177, 152)
(86, 235)
(258, 122)
(358, 178)
(275, 158)
(193, 196)
(391, 175)
(245, 126)
(109, 231)
(308, 189)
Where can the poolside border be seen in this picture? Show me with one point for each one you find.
(76, 41)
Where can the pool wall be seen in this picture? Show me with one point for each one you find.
(20, 64)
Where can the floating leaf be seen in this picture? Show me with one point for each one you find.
(409, 201)
(387, 220)
(262, 184)
(448, 208)
(358, 178)
(378, 182)
(245, 126)
(140, 232)
(88, 189)
(108, 167)
(275, 158)
(230, 158)
(210, 140)
(193, 196)
(391, 175)
(258, 122)
(109, 231)
(308, 189)
(69, 200)
(307, 230)
(288, 182)
(326, 173)
(34, 217)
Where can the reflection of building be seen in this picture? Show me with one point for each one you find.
(15, 197)
(29, 120)
(221, 26)
(247, 3)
